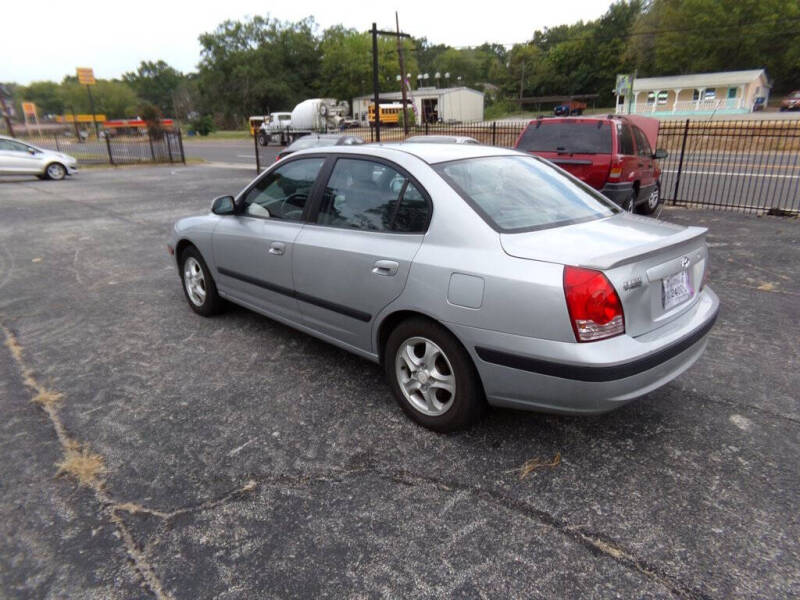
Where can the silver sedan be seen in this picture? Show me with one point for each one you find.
(474, 275)
(19, 158)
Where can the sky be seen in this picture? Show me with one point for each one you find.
(115, 40)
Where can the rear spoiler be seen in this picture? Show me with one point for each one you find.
(616, 259)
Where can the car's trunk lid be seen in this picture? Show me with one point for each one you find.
(657, 268)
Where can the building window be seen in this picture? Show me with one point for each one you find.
(710, 94)
(651, 98)
(662, 97)
(731, 92)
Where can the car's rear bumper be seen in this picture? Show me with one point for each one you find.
(590, 378)
(618, 192)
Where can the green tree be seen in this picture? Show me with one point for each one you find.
(157, 83)
(46, 95)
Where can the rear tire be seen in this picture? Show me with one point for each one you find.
(198, 285)
(432, 376)
(653, 202)
(629, 205)
(263, 139)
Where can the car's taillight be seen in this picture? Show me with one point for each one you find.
(594, 307)
(616, 169)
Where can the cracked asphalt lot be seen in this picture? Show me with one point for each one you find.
(243, 459)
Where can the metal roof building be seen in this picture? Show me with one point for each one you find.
(431, 104)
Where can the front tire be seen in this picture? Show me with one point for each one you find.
(55, 171)
(432, 376)
(263, 139)
(198, 285)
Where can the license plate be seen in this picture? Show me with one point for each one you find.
(675, 289)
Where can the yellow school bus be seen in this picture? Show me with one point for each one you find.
(389, 113)
(255, 123)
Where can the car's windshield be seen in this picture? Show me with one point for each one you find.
(567, 136)
(520, 193)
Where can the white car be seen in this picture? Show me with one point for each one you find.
(19, 158)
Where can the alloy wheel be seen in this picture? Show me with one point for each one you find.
(194, 281)
(425, 376)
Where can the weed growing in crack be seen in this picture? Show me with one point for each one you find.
(84, 465)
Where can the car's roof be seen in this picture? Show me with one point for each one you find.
(430, 153)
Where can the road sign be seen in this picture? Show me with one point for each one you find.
(28, 108)
(85, 76)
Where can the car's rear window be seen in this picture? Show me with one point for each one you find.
(571, 136)
(521, 193)
(312, 142)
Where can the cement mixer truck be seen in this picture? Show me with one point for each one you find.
(316, 115)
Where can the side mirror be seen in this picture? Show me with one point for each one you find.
(660, 153)
(223, 205)
(32, 151)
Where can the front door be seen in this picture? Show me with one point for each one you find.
(253, 249)
(16, 157)
(354, 258)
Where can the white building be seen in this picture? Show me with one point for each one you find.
(431, 104)
(729, 92)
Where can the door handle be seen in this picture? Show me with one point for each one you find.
(385, 267)
(277, 248)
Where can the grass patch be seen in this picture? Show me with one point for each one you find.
(529, 466)
(87, 467)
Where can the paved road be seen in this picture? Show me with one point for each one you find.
(229, 151)
(246, 460)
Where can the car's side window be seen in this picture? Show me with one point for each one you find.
(642, 143)
(13, 146)
(368, 195)
(284, 192)
(625, 139)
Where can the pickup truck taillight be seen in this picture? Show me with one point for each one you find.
(595, 311)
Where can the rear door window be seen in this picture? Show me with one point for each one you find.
(641, 142)
(570, 136)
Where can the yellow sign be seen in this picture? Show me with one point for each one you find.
(29, 108)
(85, 76)
(81, 118)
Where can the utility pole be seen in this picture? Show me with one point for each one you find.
(375, 89)
(94, 116)
(6, 116)
(402, 74)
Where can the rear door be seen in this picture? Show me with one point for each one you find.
(645, 164)
(581, 146)
(253, 249)
(354, 257)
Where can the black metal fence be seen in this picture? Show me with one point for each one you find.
(116, 150)
(747, 166)
(750, 166)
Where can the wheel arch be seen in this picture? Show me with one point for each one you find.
(391, 320)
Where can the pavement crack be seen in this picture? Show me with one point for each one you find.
(594, 542)
(88, 469)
